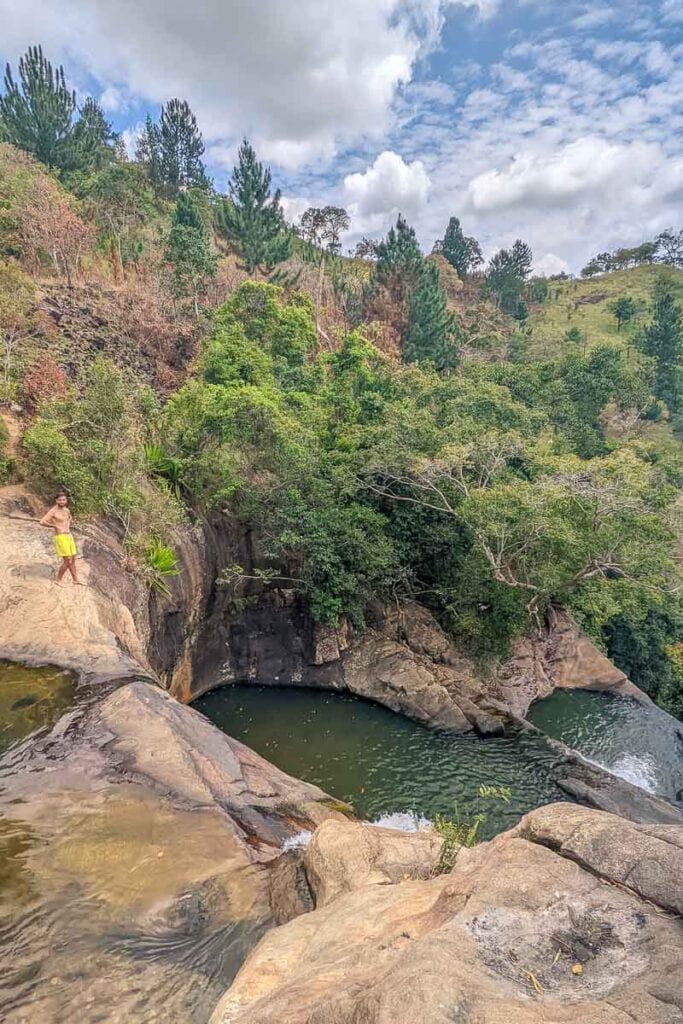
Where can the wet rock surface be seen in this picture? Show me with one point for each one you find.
(521, 932)
(342, 858)
(137, 847)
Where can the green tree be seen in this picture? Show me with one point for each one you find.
(36, 113)
(592, 268)
(172, 150)
(505, 278)
(123, 204)
(322, 227)
(397, 270)
(623, 309)
(399, 261)
(251, 219)
(662, 339)
(669, 247)
(430, 334)
(462, 252)
(92, 143)
(188, 250)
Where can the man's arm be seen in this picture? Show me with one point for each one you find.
(47, 518)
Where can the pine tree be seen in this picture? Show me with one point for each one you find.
(172, 150)
(663, 339)
(188, 250)
(36, 114)
(148, 151)
(251, 219)
(522, 258)
(399, 261)
(505, 277)
(430, 333)
(188, 213)
(92, 142)
(462, 252)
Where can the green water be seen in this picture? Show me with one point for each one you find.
(641, 744)
(31, 699)
(382, 763)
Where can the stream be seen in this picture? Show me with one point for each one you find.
(639, 743)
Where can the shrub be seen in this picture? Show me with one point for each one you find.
(457, 832)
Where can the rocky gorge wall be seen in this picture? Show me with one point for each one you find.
(201, 637)
(113, 630)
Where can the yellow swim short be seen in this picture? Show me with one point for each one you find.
(65, 545)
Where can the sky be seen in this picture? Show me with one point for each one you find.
(557, 121)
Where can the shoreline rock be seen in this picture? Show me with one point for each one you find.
(536, 926)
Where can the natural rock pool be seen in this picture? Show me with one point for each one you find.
(31, 699)
(382, 763)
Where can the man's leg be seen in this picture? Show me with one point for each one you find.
(74, 572)
(62, 570)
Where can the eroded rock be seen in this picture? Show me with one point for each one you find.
(517, 933)
(344, 856)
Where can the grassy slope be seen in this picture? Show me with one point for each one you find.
(585, 304)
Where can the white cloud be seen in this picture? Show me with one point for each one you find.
(672, 11)
(130, 137)
(298, 78)
(561, 177)
(658, 60)
(549, 264)
(389, 186)
(294, 206)
(113, 101)
(595, 17)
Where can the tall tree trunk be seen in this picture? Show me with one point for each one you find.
(319, 292)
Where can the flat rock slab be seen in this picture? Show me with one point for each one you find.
(89, 629)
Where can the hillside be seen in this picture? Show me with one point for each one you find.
(585, 304)
(173, 356)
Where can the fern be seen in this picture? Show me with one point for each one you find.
(160, 563)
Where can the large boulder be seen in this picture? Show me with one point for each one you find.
(344, 856)
(518, 933)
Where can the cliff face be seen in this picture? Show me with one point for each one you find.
(113, 628)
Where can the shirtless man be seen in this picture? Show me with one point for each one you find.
(59, 520)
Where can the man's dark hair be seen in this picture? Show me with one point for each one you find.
(61, 494)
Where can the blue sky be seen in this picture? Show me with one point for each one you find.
(561, 123)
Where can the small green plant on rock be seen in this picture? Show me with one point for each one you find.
(160, 564)
(457, 831)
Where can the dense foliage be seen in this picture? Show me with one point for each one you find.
(490, 495)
